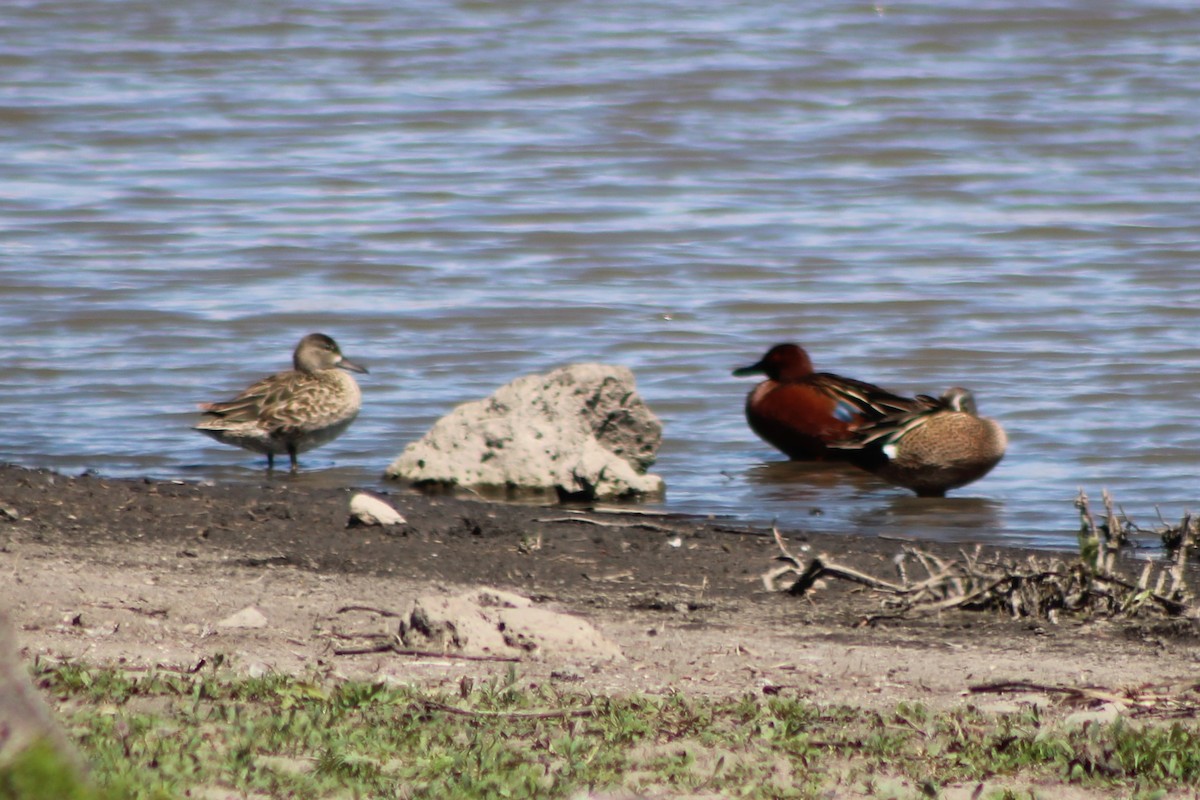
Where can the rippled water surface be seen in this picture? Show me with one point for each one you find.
(994, 194)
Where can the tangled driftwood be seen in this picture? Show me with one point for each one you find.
(1146, 700)
(1036, 587)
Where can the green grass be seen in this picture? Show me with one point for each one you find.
(40, 772)
(161, 734)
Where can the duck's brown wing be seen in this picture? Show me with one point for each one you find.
(857, 400)
(889, 428)
(270, 403)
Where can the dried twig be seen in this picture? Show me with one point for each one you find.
(392, 647)
(853, 575)
(383, 612)
(650, 526)
(1143, 700)
(1036, 588)
(565, 713)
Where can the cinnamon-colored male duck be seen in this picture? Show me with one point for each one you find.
(802, 412)
(942, 445)
(290, 412)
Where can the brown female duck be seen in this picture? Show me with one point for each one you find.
(941, 445)
(293, 411)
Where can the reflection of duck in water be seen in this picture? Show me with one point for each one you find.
(802, 412)
(940, 445)
(294, 411)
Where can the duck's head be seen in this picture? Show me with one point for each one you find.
(317, 352)
(956, 398)
(783, 362)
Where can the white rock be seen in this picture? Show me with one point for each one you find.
(493, 622)
(542, 631)
(1104, 715)
(368, 510)
(581, 431)
(451, 624)
(248, 617)
(257, 669)
(497, 598)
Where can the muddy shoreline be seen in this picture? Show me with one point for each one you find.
(138, 572)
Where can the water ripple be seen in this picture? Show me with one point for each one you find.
(992, 195)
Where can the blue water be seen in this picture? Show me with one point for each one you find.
(999, 195)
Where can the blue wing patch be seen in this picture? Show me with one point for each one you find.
(845, 412)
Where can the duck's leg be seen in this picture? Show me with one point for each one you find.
(270, 462)
(292, 455)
